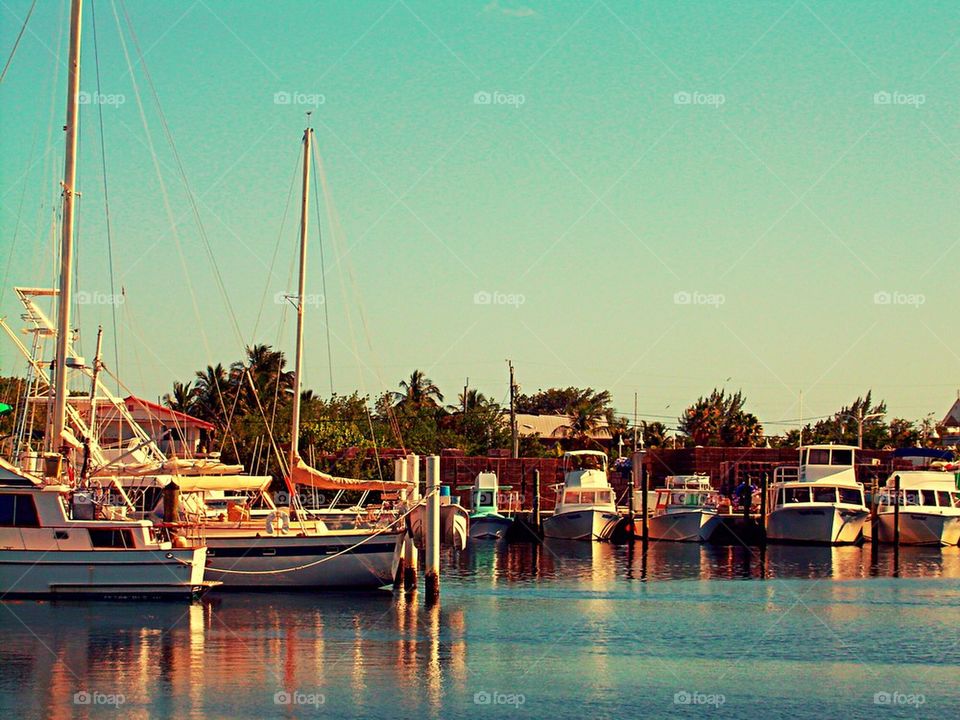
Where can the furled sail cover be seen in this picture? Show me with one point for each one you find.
(303, 474)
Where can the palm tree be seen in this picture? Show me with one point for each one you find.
(418, 392)
(586, 415)
(213, 394)
(183, 397)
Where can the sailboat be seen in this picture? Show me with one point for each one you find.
(54, 540)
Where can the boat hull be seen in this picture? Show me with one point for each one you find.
(693, 526)
(581, 525)
(109, 574)
(290, 562)
(812, 524)
(920, 528)
(489, 527)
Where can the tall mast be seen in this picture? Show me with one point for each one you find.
(55, 440)
(301, 288)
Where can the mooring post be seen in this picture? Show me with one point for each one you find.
(400, 475)
(896, 525)
(631, 485)
(410, 547)
(874, 520)
(644, 510)
(535, 515)
(763, 507)
(432, 565)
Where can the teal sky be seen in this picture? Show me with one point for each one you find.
(789, 168)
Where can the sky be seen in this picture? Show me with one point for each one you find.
(654, 199)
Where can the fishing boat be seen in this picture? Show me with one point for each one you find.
(928, 499)
(685, 510)
(486, 521)
(585, 508)
(818, 502)
(54, 540)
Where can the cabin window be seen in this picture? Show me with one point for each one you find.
(824, 495)
(796, 495)
(118, 539)
(943, 498)
(842, 457)
(818, 457)
(486, 498)
(851, 496)
(929, 497)
(912, 497)
(603, 496)
(572, 497)
(18, 511)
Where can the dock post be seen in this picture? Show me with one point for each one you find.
(874, 522)
(400, 475)
(630, 513)
(535, 515)
(412, 467)
(432, 565)
(763, 507)
(896, 525)
(644, 510)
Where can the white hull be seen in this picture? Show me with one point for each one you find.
(119, 574)
(310, 562)
(489, 527)
(581, 525)
(920, 528)
(693, 526)
(816, 524)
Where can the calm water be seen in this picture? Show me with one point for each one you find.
(566, 631)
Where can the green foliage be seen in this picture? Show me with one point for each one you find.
(719, 419)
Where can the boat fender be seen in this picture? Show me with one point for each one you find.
(278, 519)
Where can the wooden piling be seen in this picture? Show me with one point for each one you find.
(896, 525)
(432, 564)
(410, 547)
(764, 489)
(535, 515)
(644, 510)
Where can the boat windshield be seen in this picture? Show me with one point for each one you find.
(825, 494)
(943, 499)
(587, 497)
(829, 456)
(693, 499)
(851, 496)
(792, 495)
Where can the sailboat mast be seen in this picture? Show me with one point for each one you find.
(301, 290)
(55, 440)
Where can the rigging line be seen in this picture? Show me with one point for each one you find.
(163, 186)
(323, 269)
(106, 194)
(183, 177)
(17, 41)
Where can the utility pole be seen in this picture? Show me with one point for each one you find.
(635, 422)
(514, 440)
(466, 385)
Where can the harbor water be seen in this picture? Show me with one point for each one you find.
(565, 630)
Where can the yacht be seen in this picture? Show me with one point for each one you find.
(818, 502)
(929, 501)
(685, 510)
(56, 542)
(585, 508)
(486, 521)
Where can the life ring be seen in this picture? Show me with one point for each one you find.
(272, 521)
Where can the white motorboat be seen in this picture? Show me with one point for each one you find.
(585, 508)
(685, 510)
(486, 521)
(929, 501)
(818, 502)
(47, 550)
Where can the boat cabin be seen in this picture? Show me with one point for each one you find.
(686, 492)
